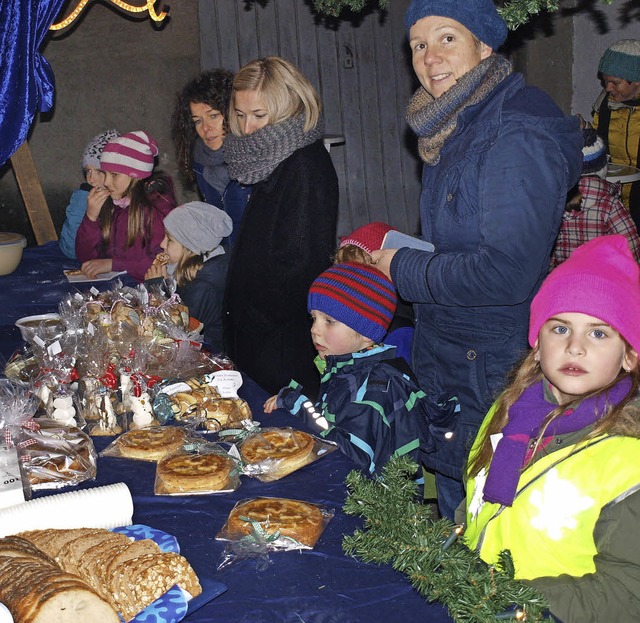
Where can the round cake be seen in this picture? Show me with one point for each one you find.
(299, 520)
(282, 450)
(151, 444)
(195, 472)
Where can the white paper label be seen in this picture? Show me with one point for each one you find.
(226, 382)
(10, 481)
(170, 390)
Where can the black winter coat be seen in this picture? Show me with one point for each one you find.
(286, 239)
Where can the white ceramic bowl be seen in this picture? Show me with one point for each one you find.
(11, 246)
(46, 326)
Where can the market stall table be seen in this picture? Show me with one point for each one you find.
(309, 586)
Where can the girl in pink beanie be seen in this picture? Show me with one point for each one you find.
(554, 474)
(122, 228)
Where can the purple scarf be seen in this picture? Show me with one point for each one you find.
(525, 418)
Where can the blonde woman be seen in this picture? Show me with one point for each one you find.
(288, 231)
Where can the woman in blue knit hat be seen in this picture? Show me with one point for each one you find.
(499, 158)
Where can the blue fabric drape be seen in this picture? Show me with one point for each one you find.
(26, 79)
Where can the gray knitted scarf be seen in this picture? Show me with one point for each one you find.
(254, 157)
(214, 169)
(435, 120)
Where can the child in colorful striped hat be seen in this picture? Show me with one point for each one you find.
(122, 228)
(369, 403)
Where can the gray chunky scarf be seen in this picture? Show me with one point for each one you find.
(435, 120)
(214, 169)
(254, 157)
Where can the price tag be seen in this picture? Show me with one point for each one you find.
(226, 382)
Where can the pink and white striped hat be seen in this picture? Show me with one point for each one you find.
(132, 154)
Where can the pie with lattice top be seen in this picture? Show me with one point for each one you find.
(195, 472)
(151, 443)
(281, 450)
(292, 518)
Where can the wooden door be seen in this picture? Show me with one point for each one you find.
(363, 73)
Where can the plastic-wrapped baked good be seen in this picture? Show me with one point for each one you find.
(205, 470)
(301, 521)
(148, 444)
(272, 453)
(55, 456)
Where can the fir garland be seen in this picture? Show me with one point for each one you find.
(515, 13)
(400, 530)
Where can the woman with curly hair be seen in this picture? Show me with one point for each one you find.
(199, 128)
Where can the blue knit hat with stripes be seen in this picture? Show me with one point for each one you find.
(357, 295)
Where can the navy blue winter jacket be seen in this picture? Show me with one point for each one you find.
(370, 408)
(204, 295)
(492, 206)
(232, 200)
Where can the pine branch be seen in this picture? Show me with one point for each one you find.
(400, 531)
(515, 13)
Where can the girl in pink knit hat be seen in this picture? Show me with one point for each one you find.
(554, 475)
(122, 228)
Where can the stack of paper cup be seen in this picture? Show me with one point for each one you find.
(100, 507)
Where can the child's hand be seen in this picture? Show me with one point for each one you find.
(271, 405)
(93, 268)
(97, 196)
(156, 271)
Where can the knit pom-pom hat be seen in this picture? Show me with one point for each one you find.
(357, 295)
(479, 16)
(600, 279)
(368, 237)
(93, 150)
(198, 226)
(622, 60)
(132, 154)
(594, 154)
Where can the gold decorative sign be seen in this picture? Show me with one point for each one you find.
(131, 8)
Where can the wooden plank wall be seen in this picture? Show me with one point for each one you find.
(363, 72)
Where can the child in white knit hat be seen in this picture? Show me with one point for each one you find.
(122, 228)
(193, 254)
(93, 177)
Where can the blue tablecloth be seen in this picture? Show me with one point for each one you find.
(313, 586)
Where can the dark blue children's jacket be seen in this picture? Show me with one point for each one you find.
(370, 408)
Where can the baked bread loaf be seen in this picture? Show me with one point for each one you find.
(183, 473)
(151, 444)
(292, 518)
(276, 452)
(37, 590)
(127, 575)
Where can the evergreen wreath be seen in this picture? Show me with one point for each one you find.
(515, 13)
(400, 530)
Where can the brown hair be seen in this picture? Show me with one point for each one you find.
(212, 88)
(283, 89)
(141, 212)
(352, 253)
